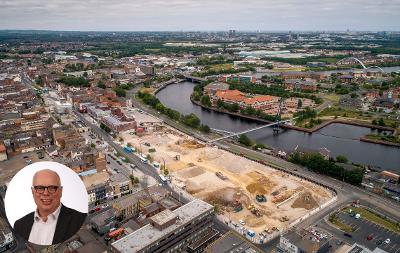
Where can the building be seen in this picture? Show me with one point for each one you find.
(356, 248)
(231, 242)
(304, 242)
(3, 152)
(212, 88)
(300, 85)
(148, 70)
(260, 102)
(82, 242)
(129, 206)
(237, 78)
(117, 125)
(103, 222)
(121, 185)
(169, 231)
(6, 236)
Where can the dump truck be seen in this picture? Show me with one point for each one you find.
(261, 198)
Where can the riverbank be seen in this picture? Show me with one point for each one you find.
(382, 142)
(301, 129)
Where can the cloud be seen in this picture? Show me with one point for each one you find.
(200, 15)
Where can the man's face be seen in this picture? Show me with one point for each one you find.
(46, 201)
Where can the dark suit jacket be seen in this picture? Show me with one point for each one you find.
(68, 223)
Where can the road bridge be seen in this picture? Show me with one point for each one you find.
(195, 79)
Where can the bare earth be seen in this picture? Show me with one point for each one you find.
(193, 166)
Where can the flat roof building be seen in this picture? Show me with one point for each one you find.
(232, 242)
(168, 231)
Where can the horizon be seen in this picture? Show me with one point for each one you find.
(190, 15)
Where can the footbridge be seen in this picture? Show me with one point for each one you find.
(230, 134)
(361, 63)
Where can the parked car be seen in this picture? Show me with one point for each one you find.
(370, 237)
(119, 162)
(348, 235)
(387, 241)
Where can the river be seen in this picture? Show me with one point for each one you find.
(340, 139)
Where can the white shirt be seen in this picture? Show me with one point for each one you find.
(42, 232)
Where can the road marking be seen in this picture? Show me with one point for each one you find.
(397, 250)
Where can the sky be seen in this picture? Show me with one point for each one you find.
(201, 15)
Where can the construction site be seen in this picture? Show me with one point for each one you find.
(257, 196)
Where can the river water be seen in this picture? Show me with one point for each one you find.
(340, 139)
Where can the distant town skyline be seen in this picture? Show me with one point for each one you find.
(207, 15)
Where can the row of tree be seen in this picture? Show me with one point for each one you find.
(74, 81)
(190, 120)
(317, 163)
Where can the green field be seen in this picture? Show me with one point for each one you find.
(344, 227)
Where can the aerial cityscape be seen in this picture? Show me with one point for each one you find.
(192, 138)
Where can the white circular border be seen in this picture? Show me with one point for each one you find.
(19, 202)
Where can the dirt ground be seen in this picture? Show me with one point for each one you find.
(193, 166)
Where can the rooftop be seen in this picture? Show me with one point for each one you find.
(163, 217)
(147, 235)
(231, 242)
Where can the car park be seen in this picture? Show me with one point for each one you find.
(379, 242)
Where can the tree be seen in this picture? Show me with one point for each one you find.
(374, 122)
(166, 171)
(220, 103)
(205, 128)
(120, 92)
(299, 103)
(93, 145)
(205, 100)
(105, 128)
(341, 159)
(243, 139)
(381, 122)
(101, 84)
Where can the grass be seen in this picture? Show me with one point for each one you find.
(219, 67)
(390, 139)
(344, 227)
(375, 218)
(332, 97)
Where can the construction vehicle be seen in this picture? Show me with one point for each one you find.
(237, 206)
(283, 218)
(220, 175)
(261, 198)
(254, 210)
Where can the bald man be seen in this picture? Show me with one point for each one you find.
(52, 222)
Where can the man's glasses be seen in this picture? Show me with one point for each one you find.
(42, 188)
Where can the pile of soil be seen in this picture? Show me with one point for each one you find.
(261, 184)
(306, 201)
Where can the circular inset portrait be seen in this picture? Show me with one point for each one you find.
(46, 203)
